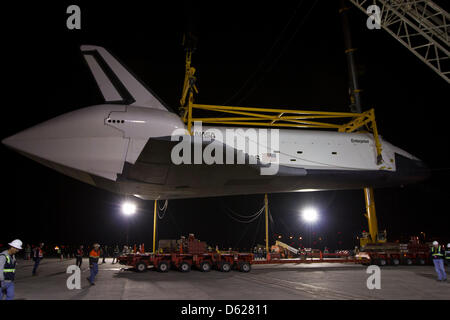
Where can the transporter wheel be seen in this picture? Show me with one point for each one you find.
(141, 266)
(163, 266)
(205, 266)
(224, 267)
(395, 262)
(421, 261)
(380, 262)
(245, 267)
(185, 267)
(406, 261)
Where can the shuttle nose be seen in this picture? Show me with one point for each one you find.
(78, 140)
(411, 170)
(36, 141)
(15, 142)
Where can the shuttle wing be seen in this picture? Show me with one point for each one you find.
(116, 83)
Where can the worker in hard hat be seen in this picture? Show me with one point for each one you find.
(94, 255)
(447, 255)
(8, 269)
(437, 253)
(38, 254)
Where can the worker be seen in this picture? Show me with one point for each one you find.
(437, 253)
(115, 254)
(59, 253)
(28, 252)
(38, 255)
(260, 253)
(447, 255)
(8, 269)
(104, 251)
(79, 256)
(94, 255)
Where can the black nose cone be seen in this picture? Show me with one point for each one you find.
(411, 170)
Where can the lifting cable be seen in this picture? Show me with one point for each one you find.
(256, 234)
(241, 221)
(247, 217)
(251, 217)
(163, 209)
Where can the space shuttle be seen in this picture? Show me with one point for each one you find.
(126, 144)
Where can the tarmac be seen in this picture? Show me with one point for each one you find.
(327, 281)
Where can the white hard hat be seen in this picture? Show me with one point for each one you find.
(435, 243)
(16, 244)
(448, 245)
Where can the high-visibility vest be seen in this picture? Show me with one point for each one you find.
(437, 253)
(38, 252)
(94, 255)
(447, 255)
(9, 269)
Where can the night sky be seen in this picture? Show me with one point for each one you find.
(247, 55)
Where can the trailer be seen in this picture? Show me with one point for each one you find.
(184, 262)
(394, 254)
(185, 254)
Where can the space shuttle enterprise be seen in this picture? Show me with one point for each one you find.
(126, 146)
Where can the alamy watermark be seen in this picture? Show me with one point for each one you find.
(74, 280)
(249, 146)
(374, 280)
(374, 19)
(74, 20)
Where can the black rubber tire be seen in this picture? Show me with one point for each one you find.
(379, 262)
(421, 262)
(224, 267)
(163, 266)
(406, 261)
(205, 266)
(245, 267)
(141, 266)
(395, 262)
(184, 267)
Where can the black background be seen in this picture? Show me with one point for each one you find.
(44, 76)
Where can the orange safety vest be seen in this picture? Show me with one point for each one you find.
(94, 254)
(38, 252)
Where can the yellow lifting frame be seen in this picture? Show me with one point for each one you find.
(269, 117)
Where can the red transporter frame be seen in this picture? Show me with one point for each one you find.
(204, 262)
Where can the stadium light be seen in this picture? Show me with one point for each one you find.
(128, 208)
(310, 215)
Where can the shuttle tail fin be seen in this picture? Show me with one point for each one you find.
(116, 83)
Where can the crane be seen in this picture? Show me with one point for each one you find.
(419, 25)
(423, 28)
